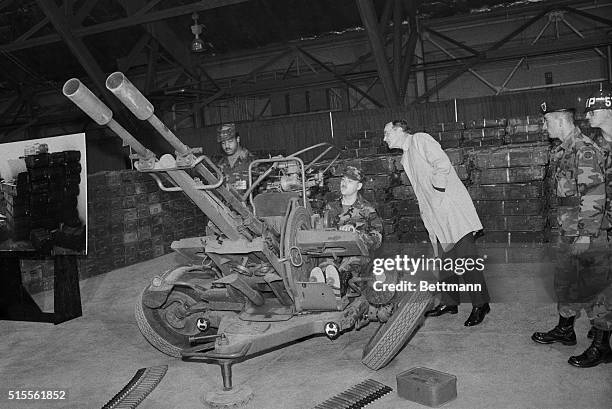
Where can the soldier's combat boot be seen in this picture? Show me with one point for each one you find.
(563, 333)
(599, 351)
(591, 330)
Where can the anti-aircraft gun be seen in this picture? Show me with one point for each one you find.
(246, 286)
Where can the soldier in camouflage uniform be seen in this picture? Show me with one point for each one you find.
(578, 164)
(598, 111)
(235, 165)
(351, 213)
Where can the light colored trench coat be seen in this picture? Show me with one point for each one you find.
(448, 215)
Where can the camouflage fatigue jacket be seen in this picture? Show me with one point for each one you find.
(360, 214)
(238, 175)
(607, 149)
(578, 166)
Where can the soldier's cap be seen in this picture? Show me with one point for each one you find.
(602, 99)
(225, 132)
(548, 107)
(353, 173)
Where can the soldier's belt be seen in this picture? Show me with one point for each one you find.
(569, 201)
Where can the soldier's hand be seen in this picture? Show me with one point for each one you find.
(347, 227)
(581, 244)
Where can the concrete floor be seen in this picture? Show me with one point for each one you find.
(496, 363)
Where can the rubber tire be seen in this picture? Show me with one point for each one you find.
(393, 334)
(163, 338)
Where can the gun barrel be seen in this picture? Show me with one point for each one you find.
(82, 97)
(78, 93)
(129, 95)
(132, 98)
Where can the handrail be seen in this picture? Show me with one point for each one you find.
(199, 160)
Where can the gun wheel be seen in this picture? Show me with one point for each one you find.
(395, 333)
(236, 397)
(299, 219)
(168, 328)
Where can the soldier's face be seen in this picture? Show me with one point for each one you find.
(552, 126)
(230, 146)
(349, 186)
(393, 136)
(598, 117)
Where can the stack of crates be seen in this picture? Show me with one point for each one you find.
(52, 181)
(484, 133)
(131, 220)
(41, 204)
(365, 144)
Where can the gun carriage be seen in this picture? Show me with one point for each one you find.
(245, 288)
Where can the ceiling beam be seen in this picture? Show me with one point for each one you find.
(78, 49)
(5, 3)
(223, 91)
(33, 29)
(397, 39)
(147, 7)
(83, 12)
(385, 16)
(368, 18)
(121, 23)
(408, 55)
(594, 17)
(537, 50)
(482, 56)
(169, 41)
(452, 41)
(150, 78)
(124, 64)
(340, 77)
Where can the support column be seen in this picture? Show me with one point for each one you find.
(368, 17)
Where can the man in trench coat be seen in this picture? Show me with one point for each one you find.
(447, 211)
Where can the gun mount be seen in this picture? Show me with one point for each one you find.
(247, 287)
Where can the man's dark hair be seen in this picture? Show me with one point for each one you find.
(401, 123)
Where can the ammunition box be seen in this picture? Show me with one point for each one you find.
(427, 386)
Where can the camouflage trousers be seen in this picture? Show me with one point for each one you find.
(583, 281)
(602, 310)
(348, 267)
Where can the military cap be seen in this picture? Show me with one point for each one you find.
(548, 107)
(225, 132)
(602, 99)
(353, 173)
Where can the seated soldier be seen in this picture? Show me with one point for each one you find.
(351, 213)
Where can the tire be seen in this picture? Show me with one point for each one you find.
(393, 334)
(156, 329)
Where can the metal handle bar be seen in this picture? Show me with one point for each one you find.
(193, 165)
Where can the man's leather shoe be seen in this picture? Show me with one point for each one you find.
(477, 315)
(442, 309)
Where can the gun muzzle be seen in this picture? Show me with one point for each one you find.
(82, 97)
(129, 95)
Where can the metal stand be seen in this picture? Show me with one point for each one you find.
(16, 304)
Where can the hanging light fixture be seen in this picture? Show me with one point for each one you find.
(197, 45)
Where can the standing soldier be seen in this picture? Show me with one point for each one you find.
(580, 188)
(598, 112)
(351, 213)
(235, 165)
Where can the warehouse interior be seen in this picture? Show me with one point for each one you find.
(289, 74)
